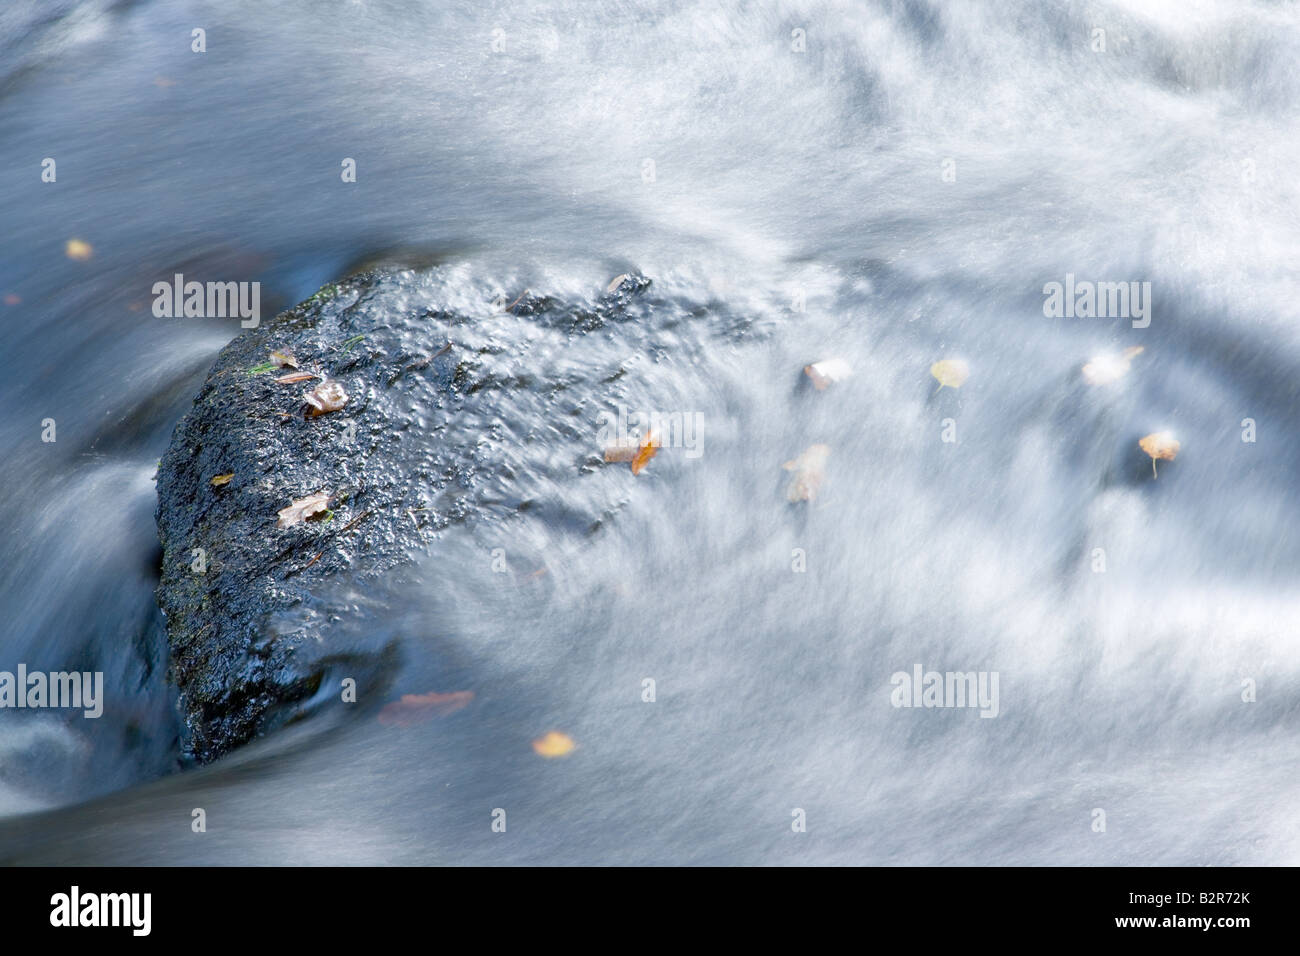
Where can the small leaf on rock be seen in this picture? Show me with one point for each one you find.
(294, 377)
(283, 358)
(302, 509)
(219, 480)
(328, 396)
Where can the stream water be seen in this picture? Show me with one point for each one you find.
(890, 183)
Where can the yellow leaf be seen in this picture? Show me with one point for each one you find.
(809, 473)
(1160, 445)
(554, 744)
(950, 372)
(79, 250)
(649, 448)
(282, 358)
(302, 509)
(220, 480)
(827, 372)
(1110, 368)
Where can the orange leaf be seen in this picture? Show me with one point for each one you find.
(417, 708)
(649, 448)
(554, 744)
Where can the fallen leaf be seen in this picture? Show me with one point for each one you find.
(302, 509)
(1106, 369)
(620, 452)
(649, 448)
(809, 473)
(827, 372)
(416, 708)
(1160, 445)
(220, 480)
(554, 744)
(326, 397)
(950, 372)
(283, 359)
(617, 281)
(78, 249)
(294, 377)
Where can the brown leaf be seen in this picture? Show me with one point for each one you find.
(283, 358)
(827, 372)
(620, 452)
(328, 396)
(294, 377)
(218, 480)
(302, 509)
(809, 473)
(1160, 445)
(416, 708)
(649, 448)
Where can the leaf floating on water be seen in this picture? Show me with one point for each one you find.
(1106, 369)
(809, 473)
(78, 249)
(554, 744)
(950, 372)
(219, 480)
(648, 449)
(1160, 445)
(284, 359)
(827, 372)
(302, 509)
(294, 377)
(417, 708)
(620, 452)
(325, 397)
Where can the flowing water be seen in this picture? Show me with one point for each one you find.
(886, 182)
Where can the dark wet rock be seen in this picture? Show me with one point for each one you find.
(417, 447)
